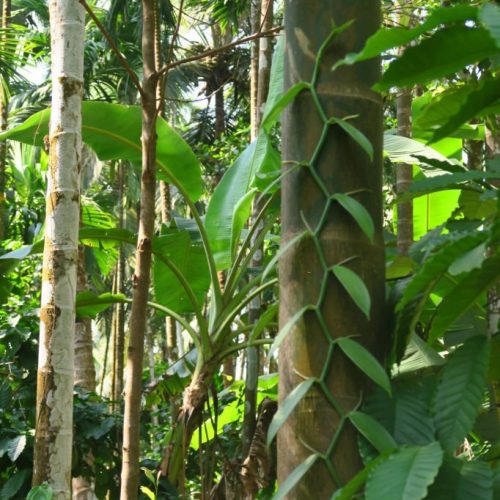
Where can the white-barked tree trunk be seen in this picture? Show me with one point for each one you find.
(53, 440)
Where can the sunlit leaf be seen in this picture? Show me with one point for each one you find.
(354, 286)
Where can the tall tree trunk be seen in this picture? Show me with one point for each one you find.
(84, 371)
(4, 113)
(307, 349)
(254, 68)
(252, 373)
(142, 274)
(54, 421)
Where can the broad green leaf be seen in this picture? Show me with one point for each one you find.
(374, 432)
(190, 260)
(406, 474)
(89, 305)
(400, 267)
(276, 80)
(358, 212)
(106, 238)
(232, 188)
(418, 355)
(460, 391)
(113, 131)
(273, 113)
(286, 329)
(489, 15)
(447, 181)
(294, 477)
(241, 212)
(356, 135)
(405, 415)
(444, 52)
(42, 492)
(354, 286)
(264, 319)
(12, 486)
(365, 361)
(386, 39)
(464, 295)
(462, 480)
(473, 259)
(437, 264)
(287, 406)
(480, 99)
(150, 494)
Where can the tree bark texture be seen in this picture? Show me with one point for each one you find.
(404, 175)
(142, 274)
(54, 421)
(342, 167)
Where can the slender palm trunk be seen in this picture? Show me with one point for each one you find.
(254, 68)
(53, 437)
(142, 275)
(307, 351)
(265, 17)
(4, 113)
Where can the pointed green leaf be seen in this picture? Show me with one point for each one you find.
(406, 474)
(287, 406)
(273, 113)
(295, 476)
(89, 305)
(276, 79)
(148, 492)
(374, 432)
(358, 212)
(354, 286)
(241, 212)
(356, 135)
(445, 51)
(365, 361)
(15, 482)
(460, 391)
(286, 329)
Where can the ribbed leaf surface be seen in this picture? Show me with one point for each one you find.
(460, 391)
(406, 474)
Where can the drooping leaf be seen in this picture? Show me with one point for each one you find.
(150, 494)
(445, 51)
(460, 391)
(276, 80)
(375, 433)
(286, 329)
(240, 215)
(295, 476)
(365, 361)
(287, 406)
(464, 295)
(406, 474)
(356, 135)
(462, 480)
(89, 305)
(232, 188)
(472, 259)
(418, 355)
(113, 131)
(14, 484)
(354, 286)
(16, 447)
(358, 212)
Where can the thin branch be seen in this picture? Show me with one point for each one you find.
(116, 50)
(212, 52)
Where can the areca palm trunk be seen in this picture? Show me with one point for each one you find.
(54, 421)
(341, 166)
(142, 275)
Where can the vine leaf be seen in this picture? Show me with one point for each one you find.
(374, 432)
(460, 391)
(354, 286)
(295, 476)
(355, 134)
(365, 361)
(358, 212)
(287, 406)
